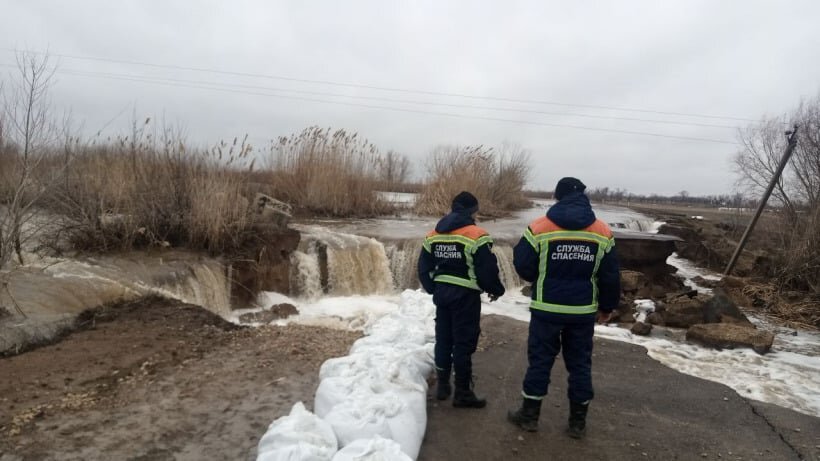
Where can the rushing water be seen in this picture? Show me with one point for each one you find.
(51, 292)
(409, 226)
(329, 262)
(378, 256)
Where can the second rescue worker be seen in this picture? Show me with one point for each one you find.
(456, 264)
(569, 257)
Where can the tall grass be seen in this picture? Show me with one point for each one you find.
(143, 191)
(333, 173)
(151, 189)
(496, 178)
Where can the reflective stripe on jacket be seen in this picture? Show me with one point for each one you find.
(453, 253)
(568, 262)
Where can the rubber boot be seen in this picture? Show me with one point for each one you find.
(527, 416)
(577, 419)
(464, 396)
(443, 388)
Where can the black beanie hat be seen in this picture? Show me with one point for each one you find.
(465, 201)
(568, 185)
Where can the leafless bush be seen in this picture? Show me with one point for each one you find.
(327, 172)
(496, 178)
(511, 174)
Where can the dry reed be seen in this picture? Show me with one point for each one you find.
(326, 172)
(497, 179)
(143, 191)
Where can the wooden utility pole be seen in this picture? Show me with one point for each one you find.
(792, 136)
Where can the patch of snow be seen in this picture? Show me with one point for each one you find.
(644, 308)
(688, 270)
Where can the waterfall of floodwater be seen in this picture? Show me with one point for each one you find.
(339, 264)
(188, 278)
(305, 278)
(504, 255)
(203, 283)
(380, 255)
(50, 292)
(640, 225)
(334, 263)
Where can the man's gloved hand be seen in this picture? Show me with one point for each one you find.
(603, 317)
(493, 297)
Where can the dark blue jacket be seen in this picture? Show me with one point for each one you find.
(568, 280)
(459, 225)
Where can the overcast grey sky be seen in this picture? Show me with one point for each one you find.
(741, 59)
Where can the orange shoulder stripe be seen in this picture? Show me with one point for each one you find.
(543, 225)
(472, 231)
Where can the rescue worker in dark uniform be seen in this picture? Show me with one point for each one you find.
(455, 265)
(569, 257)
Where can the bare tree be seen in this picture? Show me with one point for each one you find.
(27, 134)
(757, 161)
(394, 168)
(806, 158)
(797, 256)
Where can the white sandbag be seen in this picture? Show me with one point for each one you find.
(399, 414)
(412, 360)
(409, 424)
(301, 435)
(333, 391)
(401, 365)
(353, 420)
(380, 389)
(375, 449)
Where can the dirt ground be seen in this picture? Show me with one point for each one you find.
(157, 379)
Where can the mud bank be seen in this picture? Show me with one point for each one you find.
(157, 379)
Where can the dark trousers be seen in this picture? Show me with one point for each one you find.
(547, 337)
(458, 313)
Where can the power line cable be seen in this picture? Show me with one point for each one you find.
(391, 100)
(374, 87)
(397, 109)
